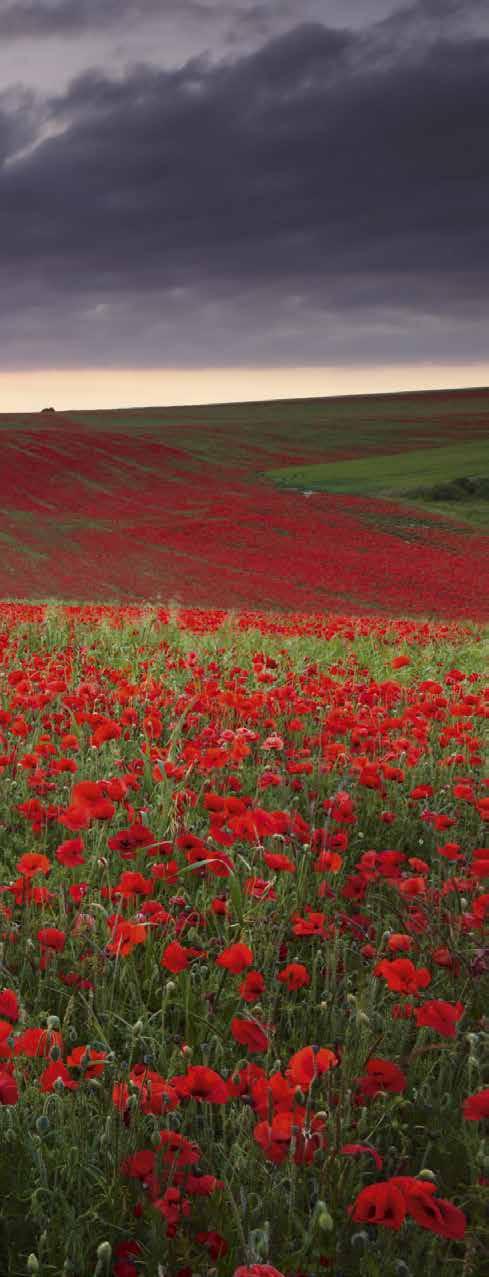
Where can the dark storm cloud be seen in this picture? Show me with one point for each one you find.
(19, 121)
(271, 206)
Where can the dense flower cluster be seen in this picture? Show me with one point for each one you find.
(244, 903)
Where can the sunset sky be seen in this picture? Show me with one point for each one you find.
(204, 200)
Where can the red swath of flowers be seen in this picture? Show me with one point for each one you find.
(120, 516)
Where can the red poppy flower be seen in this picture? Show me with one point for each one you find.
(34, 1042)
(9, 1004)
(202, 1083)
(440, 1015)
(251, 988)
(70, 853)
(402, 976)
(476, 1107)
(249, 1034)
(54, 1071)
(94, 1060)
(440, 1217)
(235, 958)
(308, 1064)
(8, 1088)
(175, 957)
(295, 976)
(52, 938)
(257, 1270)
(379, 1204)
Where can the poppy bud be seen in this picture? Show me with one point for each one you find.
(137, 1027)
(362, 1018)
(53, 1023)
(360, 1241)
(42, 1124)
(324, 1220)
(32, 1264)
(170, 986)
(104, 1252)
(426, 1174)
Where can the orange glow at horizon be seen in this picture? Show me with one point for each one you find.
(91, 388)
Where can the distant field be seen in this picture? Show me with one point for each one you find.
(453, 480)
(176, 505)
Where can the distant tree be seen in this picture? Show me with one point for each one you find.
(49, 410)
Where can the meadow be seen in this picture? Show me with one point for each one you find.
(244, 806)
(245, 974)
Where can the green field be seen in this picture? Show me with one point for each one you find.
(452, 481)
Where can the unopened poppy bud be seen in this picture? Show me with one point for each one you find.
(170, 986)
(360, 1241)
(426, 1174)
(138, 1027)
(362, 1018)
(53, 1023)
(155, 1139)
(42, 1124)
(324, 1220)
(104, 1252)
(32, 1264)
(58, 1085)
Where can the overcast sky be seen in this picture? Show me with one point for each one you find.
(221, 183)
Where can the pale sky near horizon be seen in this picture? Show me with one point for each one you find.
(207, 200)
(78, 389)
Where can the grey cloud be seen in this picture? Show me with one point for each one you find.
(311, 168)
(44, 18)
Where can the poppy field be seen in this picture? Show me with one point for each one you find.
(183, 505)
(244, 1011)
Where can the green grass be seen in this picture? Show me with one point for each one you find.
(428, 477)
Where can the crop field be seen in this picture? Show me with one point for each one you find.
(453, 480)
(244, 897)
(183, 505)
